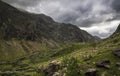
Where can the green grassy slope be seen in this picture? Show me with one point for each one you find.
(86, 54)
(13, 49)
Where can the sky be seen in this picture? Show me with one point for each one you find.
(98, 17)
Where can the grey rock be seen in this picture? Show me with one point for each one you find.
(91, 72)
(116, 53)
(51, 69)
(103, 64)
(118, 64)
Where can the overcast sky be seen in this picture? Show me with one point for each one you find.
(98, 17)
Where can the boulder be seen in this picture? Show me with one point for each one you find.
(103, 64)
(51, 69)
(116, 53)
(91, 72)
(118, 64)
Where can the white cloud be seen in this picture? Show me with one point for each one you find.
(102, 30)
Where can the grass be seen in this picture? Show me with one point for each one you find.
(86, 54)
(13, 49)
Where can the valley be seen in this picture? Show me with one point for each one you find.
(35, 45)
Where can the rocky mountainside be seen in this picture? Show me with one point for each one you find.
(118, 29)
(22, 33)
(78, 59)
(22, 25)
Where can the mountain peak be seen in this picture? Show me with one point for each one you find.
(118, 29)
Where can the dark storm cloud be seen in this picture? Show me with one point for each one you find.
(115, 17)
(116, 5)
(83, 13)
(24, 3)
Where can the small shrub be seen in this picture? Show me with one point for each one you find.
(72, 66)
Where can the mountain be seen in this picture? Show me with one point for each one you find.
(89, 59)
(21, 25)
(35, 45)
(118, 29)
(22, 33)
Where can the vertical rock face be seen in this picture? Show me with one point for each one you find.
(23, 25)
